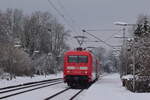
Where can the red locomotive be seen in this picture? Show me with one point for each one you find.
(80, 67)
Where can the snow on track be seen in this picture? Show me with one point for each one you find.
(66, 95)
(39, 94)
(21, 80)
(110, 88)
(24, 90)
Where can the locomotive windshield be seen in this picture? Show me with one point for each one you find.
(82, 59)
(72, 59)
(77, 59)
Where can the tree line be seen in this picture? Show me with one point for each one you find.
(31, 44)
(137, 51)
(135, 67)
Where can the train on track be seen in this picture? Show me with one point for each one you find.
(81, 67)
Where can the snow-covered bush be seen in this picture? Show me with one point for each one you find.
(14, 61)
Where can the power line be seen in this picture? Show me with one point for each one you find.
(66, 13)
(71, 26)
(57, 10)
(97, 30)
(102, 30)
(98, 38)
(63, 16)
(79, 40)
(112, 35)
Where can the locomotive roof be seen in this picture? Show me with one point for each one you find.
(75, 52)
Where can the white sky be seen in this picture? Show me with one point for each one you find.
(88, 14)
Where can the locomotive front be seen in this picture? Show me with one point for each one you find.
(78, 68)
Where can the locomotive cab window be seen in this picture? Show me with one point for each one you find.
(72, 59)
(82, 59)
(77, 59)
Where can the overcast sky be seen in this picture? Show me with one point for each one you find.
(87, 14)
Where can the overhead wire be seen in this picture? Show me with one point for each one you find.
(105, 30)
(71, 19)
(98, 38)
(102, 30)
(60, 14)
(113, 35)
(73, 23)
(63, 16)
(68, 15)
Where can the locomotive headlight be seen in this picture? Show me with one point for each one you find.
(83, 68)
(85, 72)
(70, 67)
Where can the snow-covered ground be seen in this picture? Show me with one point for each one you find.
(20, 80)
(39, 94)
(109, 88)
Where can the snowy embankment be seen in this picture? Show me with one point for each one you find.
(21, 80)
(110, 88)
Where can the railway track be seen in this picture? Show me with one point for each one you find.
(12, 91)
(76, 94)
(63, 91)
(56, 94)
(27, 87)
(67, 89)
(29, 83)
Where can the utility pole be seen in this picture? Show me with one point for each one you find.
(124, 50)
(124, 65)
(134, 65)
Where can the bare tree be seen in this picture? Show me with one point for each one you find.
(37, 40)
